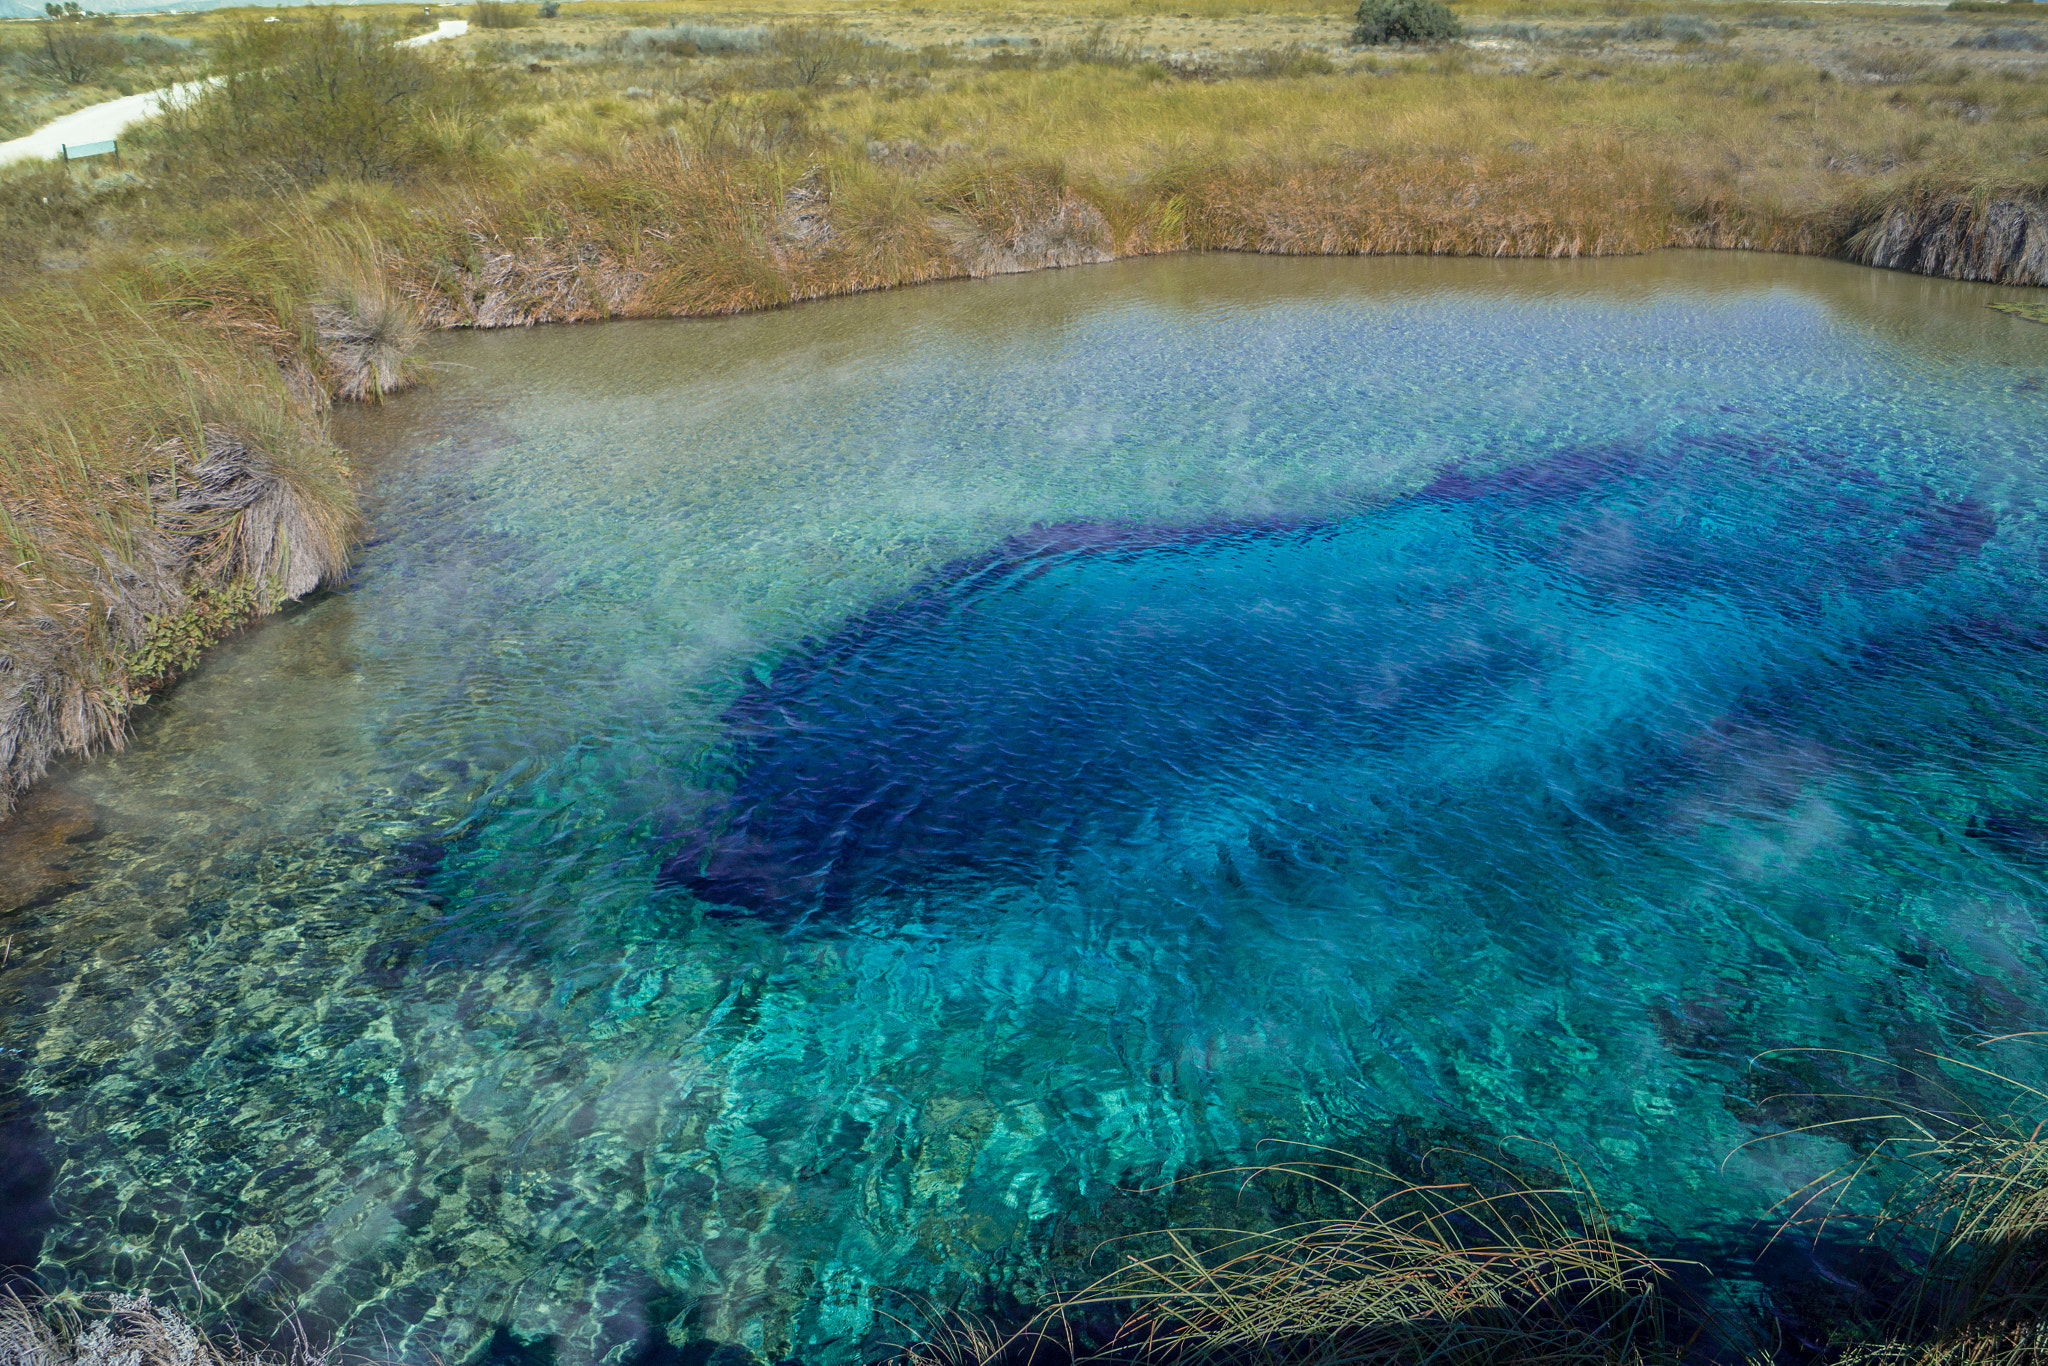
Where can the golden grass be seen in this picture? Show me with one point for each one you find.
(751, 199)
(149, 458)
(1460, 1272)
(1479, 1266)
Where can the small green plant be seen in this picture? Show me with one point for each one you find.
(549, 9)
(173, 642)
(1405, 21)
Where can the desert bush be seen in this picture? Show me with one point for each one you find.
(1679, 28)
(1772, 19)
(42, 205)
(1405, 21)
(72, 49)
(815, 54)
(693, 40)
(497, 14)
(298, 103)
(721, 39)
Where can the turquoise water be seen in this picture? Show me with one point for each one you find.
(800, 811)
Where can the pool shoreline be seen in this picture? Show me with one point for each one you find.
(1947, 237)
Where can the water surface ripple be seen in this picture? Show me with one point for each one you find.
(803, 811)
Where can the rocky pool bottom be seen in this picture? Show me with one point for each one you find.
(802, 813)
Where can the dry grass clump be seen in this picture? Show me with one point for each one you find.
(1487, 1269)
(1969, 1214)
(2001, 240)
(147, 468)
(366, 330)
(117, 1330)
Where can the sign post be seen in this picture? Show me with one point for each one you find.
(80, 151)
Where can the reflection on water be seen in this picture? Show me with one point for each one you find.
(803, 808)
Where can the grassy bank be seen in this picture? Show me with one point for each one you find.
(174, 326)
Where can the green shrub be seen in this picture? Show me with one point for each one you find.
(300, 103)
(1405, 21)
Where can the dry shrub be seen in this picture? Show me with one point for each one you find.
(497, 14)
(817, 53)
(302, 102)
(73, 50)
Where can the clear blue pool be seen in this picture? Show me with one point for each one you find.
(804, 810)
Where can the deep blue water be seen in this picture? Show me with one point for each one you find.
(1088, 688)
(800, 813)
